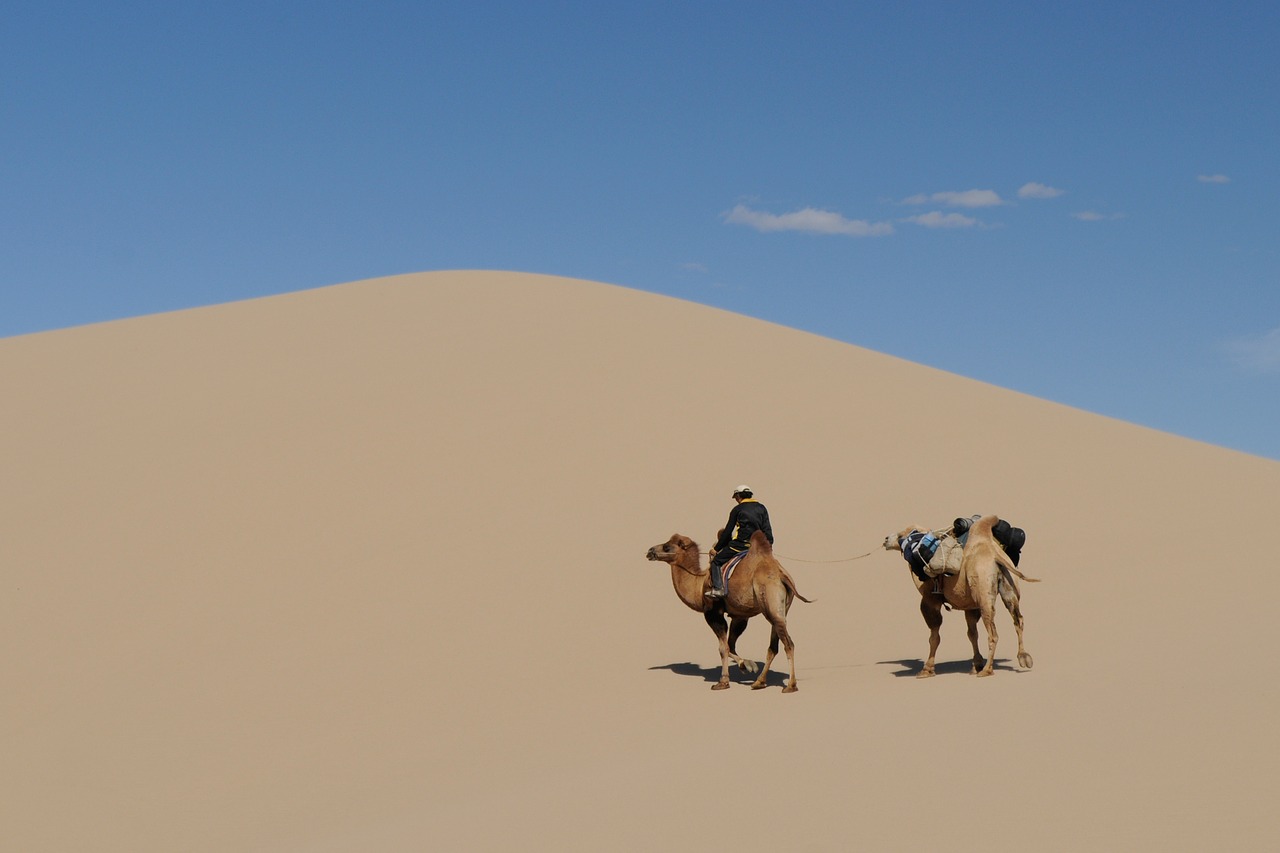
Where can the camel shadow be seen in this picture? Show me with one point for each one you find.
(911, 667)
(711, 675)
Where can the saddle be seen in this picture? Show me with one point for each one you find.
(728, 567)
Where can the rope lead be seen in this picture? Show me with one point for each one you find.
(845, 560)
(798, 560)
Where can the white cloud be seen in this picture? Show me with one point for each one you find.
(1213, 179)
(1034, 190)
(938, 219)
(694, 266)
(809, 219)
(1094, 216)
(1257, 354)
(968, 198)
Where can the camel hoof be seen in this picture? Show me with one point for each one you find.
(1025, 661)
(720, 685)
(748, 666)
(790, 688)
(984, 673)
(926, 673)
(758, 685)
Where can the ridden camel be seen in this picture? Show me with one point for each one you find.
(758, 585)
(984, 573)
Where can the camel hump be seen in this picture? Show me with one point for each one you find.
(761, 543)
(984, 525)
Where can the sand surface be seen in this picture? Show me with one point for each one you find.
(362, 569)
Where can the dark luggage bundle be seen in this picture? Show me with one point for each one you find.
(1011, 538)
(919, 548)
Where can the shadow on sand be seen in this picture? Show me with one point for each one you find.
(911, 667)
(711, 675)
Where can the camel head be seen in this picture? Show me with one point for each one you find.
(893, 541)
(673, 549)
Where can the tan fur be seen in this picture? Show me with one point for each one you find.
(759, 585)
(985, 573)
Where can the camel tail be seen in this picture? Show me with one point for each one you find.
(790, 584)
(1007, 564)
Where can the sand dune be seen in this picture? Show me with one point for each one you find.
(362, 568)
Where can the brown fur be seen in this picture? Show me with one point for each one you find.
(760, 585)
(986, 572)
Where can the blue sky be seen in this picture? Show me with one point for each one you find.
(1074, 200)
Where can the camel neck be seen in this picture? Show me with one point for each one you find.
(689, 586)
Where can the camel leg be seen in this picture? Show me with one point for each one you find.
(777, 602)
(989, 622)
(933, 618)
(779, 632)
(1024, 656)
(782, 633)
(715, 618)
(790, 648)
(971, 618)
(736, 626)
(768, 660)
(1014, 606)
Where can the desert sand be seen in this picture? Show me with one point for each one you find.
(362, 568)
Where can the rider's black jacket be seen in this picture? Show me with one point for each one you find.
(744, 519)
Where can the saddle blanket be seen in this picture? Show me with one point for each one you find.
(731, 565)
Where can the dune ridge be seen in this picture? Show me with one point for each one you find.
(362, 567)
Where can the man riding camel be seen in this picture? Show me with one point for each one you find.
(748, 516)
